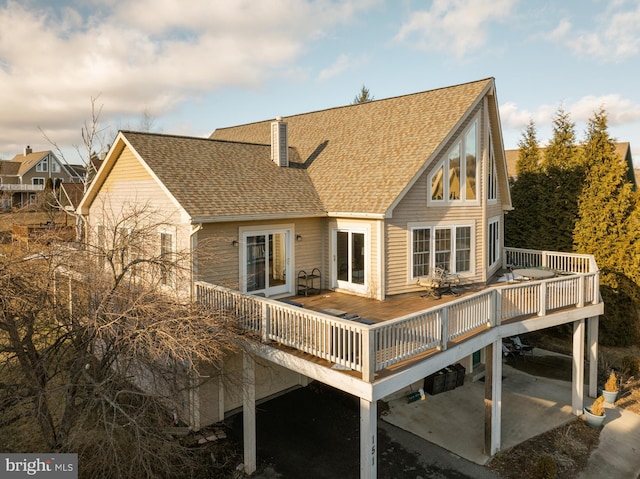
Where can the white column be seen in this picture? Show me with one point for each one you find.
(493, 398)
(592, 344)
(249, 412)
(368, 439)
(577, 389)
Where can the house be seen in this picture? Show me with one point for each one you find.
(623, 149)
(359, 201)
(22, 177)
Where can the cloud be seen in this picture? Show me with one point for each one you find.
(458, 26)
(343, 63)
(614, 37)
(148, 54)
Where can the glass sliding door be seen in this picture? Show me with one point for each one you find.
(266, 262)
(350, 259)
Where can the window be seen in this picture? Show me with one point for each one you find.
(492, 181)
(37, 181)
(55, 166)
(166, 256)
(461, 182)
(447, 247)
(421, 251)
(494, 241)
(43, 166)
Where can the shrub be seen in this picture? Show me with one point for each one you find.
(630, 365)
(597, 407)
(546, 467)
(612, 383)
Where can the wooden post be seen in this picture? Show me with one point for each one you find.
(249, 412)
(592, 343)
(577, 395)
(368, 439)
(492, 397)
(368, 354)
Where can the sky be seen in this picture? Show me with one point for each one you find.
(187, 68)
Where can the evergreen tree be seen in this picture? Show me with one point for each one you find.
(562, 151)
(363, 96)
(529, 151)
(523, 223)
(606, 209)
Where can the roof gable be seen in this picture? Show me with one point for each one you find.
(361, 158)
(217, 180)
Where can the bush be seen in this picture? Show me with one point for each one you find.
(630, 366)
(546, 467)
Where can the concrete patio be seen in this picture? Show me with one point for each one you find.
(454, 420)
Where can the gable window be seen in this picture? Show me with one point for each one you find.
(55, 166)
(43, 165)
(447, 247)
(456, 178)
(493, 254)
(492, 179)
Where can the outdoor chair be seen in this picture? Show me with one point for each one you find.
(521, 346)
(510, 352)
(439, 282)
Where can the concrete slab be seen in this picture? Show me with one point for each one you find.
(618, 452)
(454, 420)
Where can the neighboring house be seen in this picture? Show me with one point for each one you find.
(373, 196)
(623, 149)
(26, 174)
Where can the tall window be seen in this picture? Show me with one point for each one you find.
(43, 166)
(166, 255)
(492, 179)
(456, 178)
(447, 247)
(421, 251)
(494, 241)
(55, 166)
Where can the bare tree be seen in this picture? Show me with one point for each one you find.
(99, 349)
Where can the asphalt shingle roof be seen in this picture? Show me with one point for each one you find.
(214, 179)
(361, 157)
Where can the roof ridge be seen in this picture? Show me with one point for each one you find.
(189, 137)
(361, 104)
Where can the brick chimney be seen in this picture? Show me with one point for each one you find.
(279, 142)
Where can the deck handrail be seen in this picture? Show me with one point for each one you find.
(370, 348)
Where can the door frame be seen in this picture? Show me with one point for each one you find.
(350, 285)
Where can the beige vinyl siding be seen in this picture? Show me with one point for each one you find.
(219, 261)
(414, 208)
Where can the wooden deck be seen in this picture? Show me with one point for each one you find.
(374, 310)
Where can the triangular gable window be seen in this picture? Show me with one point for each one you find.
(455, 179)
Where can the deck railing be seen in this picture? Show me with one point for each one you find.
(370, 348)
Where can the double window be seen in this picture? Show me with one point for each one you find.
(37, 181)
(447, 247)
(455, 179)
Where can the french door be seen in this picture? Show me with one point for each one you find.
(266, 262)
(350, 259)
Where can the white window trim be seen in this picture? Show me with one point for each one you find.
(452, 225)
(33, 180)
(460, 140)
(497, 246)
(41, 169)
(491, 157)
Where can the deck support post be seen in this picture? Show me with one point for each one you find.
(249, 412)
(493, 398)
(592, 343)
(577, 389)
(368, 439)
